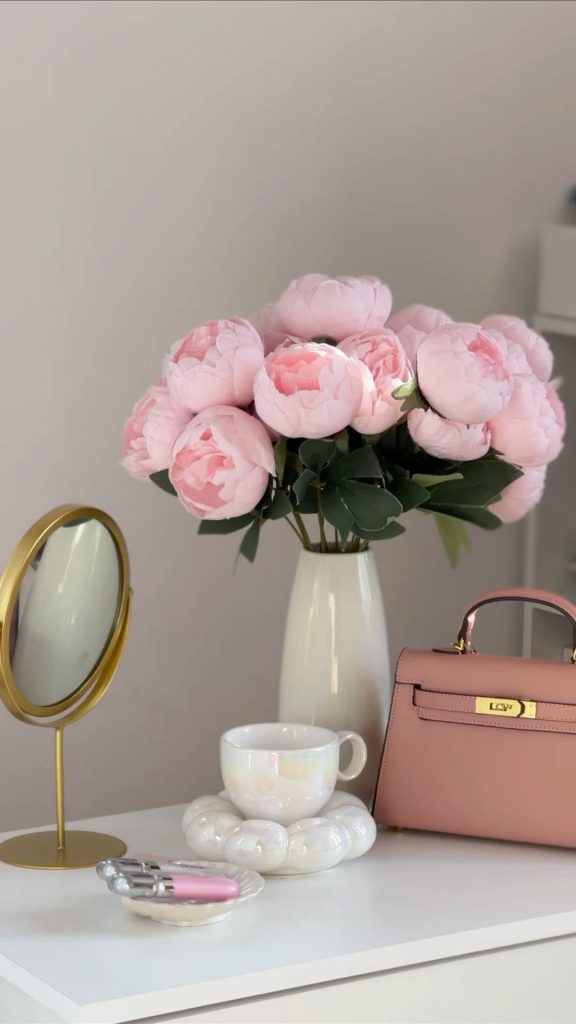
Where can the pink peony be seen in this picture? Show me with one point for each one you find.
(215, 364)
(151, 430)
(530, 430)
(269, 326)
(537, 350)
(307, 389)
(411, 339)
(421, 318)
(316, 306)
(386, 368)
(221, 462)
(514, 354)
(521, 495)
(413, 323)
(462, 373)
(447, 439)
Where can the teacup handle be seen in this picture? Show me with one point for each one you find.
(359, 756)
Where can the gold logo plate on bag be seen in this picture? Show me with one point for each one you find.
(509, 707)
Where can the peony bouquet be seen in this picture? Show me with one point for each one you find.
(322, 408)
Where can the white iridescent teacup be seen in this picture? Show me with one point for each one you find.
(284, 772)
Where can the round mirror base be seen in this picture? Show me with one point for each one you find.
(40, 850)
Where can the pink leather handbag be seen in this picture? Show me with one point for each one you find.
(481, 744)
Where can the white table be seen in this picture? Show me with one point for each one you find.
(415, 931)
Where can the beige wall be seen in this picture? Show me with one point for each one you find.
(165, 162)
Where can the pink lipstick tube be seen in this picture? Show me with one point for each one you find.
(204, 888)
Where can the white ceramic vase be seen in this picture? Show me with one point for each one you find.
(335, 664)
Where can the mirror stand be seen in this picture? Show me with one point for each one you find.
(64, 612)
(62, 848)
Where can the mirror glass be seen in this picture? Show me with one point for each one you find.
(65, 611)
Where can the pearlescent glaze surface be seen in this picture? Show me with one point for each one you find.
(283, 772)
(214, 828)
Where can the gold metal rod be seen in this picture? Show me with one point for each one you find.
(59, 766)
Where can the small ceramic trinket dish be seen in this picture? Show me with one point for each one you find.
(190, 913)
(344, 830)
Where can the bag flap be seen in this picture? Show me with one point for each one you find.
(488, 675)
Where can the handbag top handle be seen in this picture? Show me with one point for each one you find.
(543, 597)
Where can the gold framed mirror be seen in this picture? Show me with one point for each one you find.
(64, 610)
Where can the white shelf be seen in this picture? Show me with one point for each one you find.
(546, 324)
(415, 898)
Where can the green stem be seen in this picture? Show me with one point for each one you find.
(323, 539)
(336, 540)
(305, 536)
(295, 530)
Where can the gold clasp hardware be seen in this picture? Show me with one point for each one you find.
(508, 707)
(463, 646)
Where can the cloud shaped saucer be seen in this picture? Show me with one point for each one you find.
(216, 830)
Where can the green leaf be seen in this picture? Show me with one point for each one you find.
(405, 390)
(410, 493)
(393, 529)
(397, 472)
(454, 537)
(249, 545)
(162, 480)
(363, 462)
(293, 462)
(481, 483)
(335, 511)
(211, 526)
(309, 504)
(342, 441)
(429, 480)
(479, 516)
(317, 454)
(370, 506)
(280, 453)
(413, 401)
(279, 507)
(300, 487)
